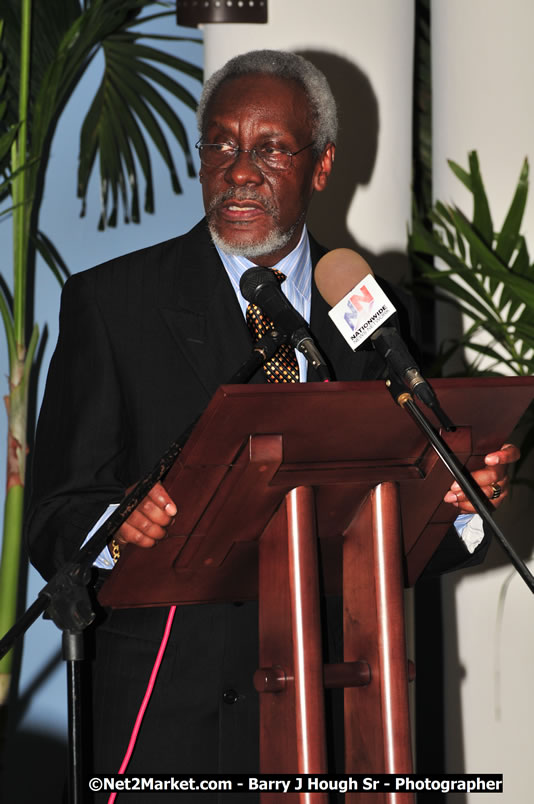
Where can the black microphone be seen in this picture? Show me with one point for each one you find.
(339, 273)
(391, 347)
(261, 287)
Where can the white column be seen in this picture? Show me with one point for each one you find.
(483, 73)
(366, 51)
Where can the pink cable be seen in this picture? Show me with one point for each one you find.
(146, 699)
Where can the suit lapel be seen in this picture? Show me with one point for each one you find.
(200, 309)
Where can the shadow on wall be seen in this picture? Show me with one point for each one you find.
(33, 762)
(35, 769)
(356, 150)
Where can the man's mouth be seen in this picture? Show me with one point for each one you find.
(241, 210)
(236, 207)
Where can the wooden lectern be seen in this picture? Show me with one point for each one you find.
(274, 476)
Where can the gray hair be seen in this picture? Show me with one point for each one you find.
(284, 65)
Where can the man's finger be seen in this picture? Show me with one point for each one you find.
(159, 496)
(155, 513)
(129, 534)
(508, 453)
(148, 523)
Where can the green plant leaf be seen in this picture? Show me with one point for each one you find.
(52, 257)
(491, 282)
(142, 96)
(481, 215)
(469, 301)
(425, 242)
(127, 110)
(482, 221)
(492, 267)
(6, 311)
(507, 238)
(521, 267)
(521, 264)
(6, 141)
(73, 38)
(461, 174)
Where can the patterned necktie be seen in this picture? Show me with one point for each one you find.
(283, 367)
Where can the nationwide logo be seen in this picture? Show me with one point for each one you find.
(357, 303)
(365, 308)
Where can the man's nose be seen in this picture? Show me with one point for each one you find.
(244, 169)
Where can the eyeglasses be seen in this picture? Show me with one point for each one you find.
(221, 155)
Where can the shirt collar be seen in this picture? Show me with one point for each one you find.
(296, 266)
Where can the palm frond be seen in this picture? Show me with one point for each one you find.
(131, 110)
(52, 257)
(118, 135)
(508, 237)
(485, 274)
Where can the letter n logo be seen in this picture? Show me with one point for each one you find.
(361, 299)
(355, 305)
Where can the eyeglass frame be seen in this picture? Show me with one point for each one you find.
(258, 161)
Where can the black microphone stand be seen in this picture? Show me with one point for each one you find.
(66, 599)
(472, 491)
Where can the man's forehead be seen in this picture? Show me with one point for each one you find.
(235, 91)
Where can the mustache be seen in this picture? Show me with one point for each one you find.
(241, 194)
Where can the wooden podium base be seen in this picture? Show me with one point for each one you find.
(292, 677)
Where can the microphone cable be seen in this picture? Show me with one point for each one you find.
(146, 698)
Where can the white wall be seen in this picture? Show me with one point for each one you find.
(483, 73)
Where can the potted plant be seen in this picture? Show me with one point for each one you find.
(484, 272)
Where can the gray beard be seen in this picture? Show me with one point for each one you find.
(275, 241)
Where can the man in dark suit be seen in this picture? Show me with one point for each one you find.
(144, 342)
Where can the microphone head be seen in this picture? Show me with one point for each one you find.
(338, 272)
(253, 279)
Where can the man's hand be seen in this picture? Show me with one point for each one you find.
(493, 480)
(148, 523)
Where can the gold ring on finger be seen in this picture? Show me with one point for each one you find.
(496, 491)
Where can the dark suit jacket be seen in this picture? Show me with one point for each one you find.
(144, 342)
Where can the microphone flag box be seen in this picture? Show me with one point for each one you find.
(365, 308)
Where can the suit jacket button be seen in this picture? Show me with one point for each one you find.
(230, 696)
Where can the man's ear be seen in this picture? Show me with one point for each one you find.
(323, 167)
